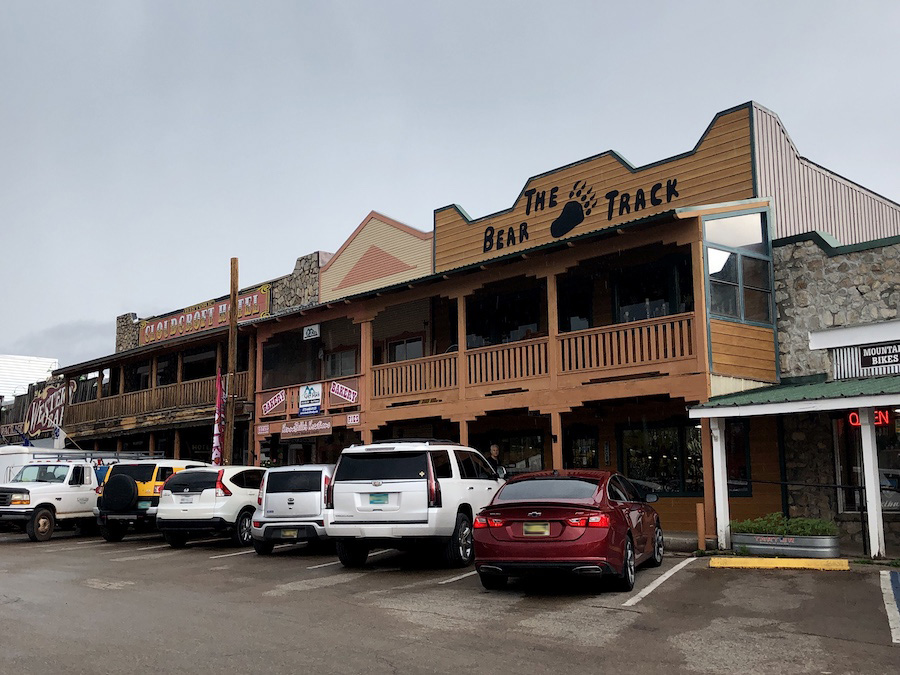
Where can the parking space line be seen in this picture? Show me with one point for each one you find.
(147, 548)
(457, 578)
(338, 562)
(657, 583)
(92, 541)
(890, 588)
(228, 555)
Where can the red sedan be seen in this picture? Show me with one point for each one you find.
(591, 523)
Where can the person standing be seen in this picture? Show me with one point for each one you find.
(494, 456)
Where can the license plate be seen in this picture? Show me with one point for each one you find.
(536, 529)
(185, 500)
(143, 505)
(289, 534)
(378, 498)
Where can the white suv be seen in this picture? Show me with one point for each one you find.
(290, 504)
(402, 493)
(209, 500)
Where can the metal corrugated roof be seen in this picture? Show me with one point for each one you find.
(816, 391)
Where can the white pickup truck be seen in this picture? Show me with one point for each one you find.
(44, 494)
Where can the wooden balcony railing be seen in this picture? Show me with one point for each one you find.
(192, 393)
(503, 363)
(431, 373)
(639, 343)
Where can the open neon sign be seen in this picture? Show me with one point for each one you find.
(882, 418)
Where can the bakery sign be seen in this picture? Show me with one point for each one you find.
(875, 356)
(205, 316)
(343, 393)
(46, 410)
(276, 404)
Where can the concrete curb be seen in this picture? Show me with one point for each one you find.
(823, 564)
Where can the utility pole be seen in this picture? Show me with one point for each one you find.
(232, 366)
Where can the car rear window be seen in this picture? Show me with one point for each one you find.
(142, 473)
(192, 481)
(294, 481)
(383, 466)
(541, 489)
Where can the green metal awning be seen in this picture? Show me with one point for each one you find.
(867, 392)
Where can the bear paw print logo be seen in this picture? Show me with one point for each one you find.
(582, 201)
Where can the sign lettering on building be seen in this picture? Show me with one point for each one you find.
(310, 399)
(352, 419)
(275, 405)
(312, 427)
(205, 316)
(873, 356)
(46, 410)
(345, 392)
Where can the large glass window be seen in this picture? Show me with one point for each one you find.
(655, 289)
(289, 359)
(340, 364)
(739, 266)
(137, 376)
(663, 458)
(198, 363)
(505, 315)
(402, 350)
(737, 456)
(166, 370)
(887, 444)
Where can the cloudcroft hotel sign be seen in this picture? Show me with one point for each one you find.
(600, 193)
(213, 314)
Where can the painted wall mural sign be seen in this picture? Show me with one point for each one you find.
(46, 410)
(580, 203)
(874, 356)
(310, 402)
(313, 427)
(345, 392)
(602, 193)
(275, 405)
(205, 316)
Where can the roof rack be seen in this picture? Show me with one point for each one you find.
(426, 441)
(90, 454)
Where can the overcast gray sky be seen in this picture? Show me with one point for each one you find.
(142, 144)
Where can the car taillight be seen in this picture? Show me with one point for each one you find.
(221, 490)
(434, 487)
(589, 521)
(157, 489)
(99, 489)
(481, 522)
(329, 495)
(262, 487)
(327, 486)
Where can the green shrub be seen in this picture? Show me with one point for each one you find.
(776, 523)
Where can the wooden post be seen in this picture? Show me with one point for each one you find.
(552, 333)
(701, 527)
(461, 368)
(100, 384)
(232, 366)
(121, 380)
(152, 444)
(177, 450)
(464, 432)
(154, 369)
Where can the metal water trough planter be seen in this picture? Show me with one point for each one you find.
(787, 545)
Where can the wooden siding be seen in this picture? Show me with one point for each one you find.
(718, 170)
(377, 255)
(740, 350)
(764, 465)
(809, 197)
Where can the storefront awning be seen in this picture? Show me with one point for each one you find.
(869, 392)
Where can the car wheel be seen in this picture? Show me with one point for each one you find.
(242, 535)
(493, 582)
(625, 582)
(352, 553)
(41, 525)
(658, 548)
(263, 547)
(460, 550)
(175, 539)
(113, 532)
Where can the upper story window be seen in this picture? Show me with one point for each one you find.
(739, 267)
(403, 350)
(340, 363)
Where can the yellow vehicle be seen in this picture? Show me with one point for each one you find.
(129, 495)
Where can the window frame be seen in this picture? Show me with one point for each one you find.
(684, 426)
(741, 253)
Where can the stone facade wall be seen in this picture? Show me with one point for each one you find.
(809, 458)
(300, 288)
(127, 332)
(814, 292)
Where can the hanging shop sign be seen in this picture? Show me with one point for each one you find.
(11, 431)
(312, 332)
(882, 418)
(205, 316)
(344, 392)
(310, 402)
(46, 410)
(874, 356)
(275, 405)
(602, 193)
(263, 429)
(312, 427)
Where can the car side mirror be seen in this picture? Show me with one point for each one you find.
(651, 497)
(501, 472)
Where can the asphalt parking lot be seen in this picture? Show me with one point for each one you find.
(83, 605)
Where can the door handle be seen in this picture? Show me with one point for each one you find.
(471, 487)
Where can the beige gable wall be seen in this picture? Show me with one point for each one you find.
(411, 250)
